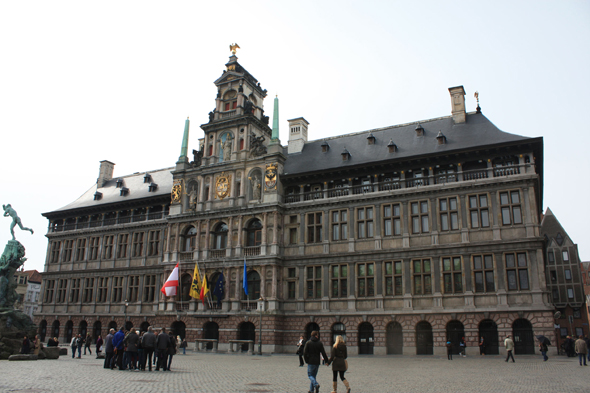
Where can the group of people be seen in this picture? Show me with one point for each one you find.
(462, 346)
(312, 351)
(28, 346)
(78, 341)
(132, 351)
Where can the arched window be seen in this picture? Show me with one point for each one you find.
(254, 233)
(338, 330)
(253, 285)
(220, 236)
(190, 239)
(42, 330)
(185, 287)
(55, 329)
(230, 101)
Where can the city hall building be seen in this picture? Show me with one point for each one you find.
(398, 238)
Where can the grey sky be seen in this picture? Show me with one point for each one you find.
(82, 82)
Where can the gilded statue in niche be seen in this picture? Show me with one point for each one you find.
(176, 191)
(270, 176)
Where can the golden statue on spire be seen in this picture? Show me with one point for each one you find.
(233, 48)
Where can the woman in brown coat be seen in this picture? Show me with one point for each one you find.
(339, 364)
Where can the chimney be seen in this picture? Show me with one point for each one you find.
(297, 134)
(458, 104)
(105, 173)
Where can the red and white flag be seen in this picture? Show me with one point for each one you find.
(171, 285)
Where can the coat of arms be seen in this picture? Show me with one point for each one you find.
(176, 191)
(270, 176)
(222, 185)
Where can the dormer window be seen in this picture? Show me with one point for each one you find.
(392, 146)
(119, 183)
(97, 196)
(325, 147)
(345, 155)
(371, 139)
(153, 187)
(419, 130)
(124, 191)
(147, 178)
(441, 138)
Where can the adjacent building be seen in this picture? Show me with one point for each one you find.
(398, 238)
(31, 299)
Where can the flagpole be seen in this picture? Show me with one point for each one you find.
(179, 287)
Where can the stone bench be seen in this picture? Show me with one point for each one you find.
(240, 342)
(202, 342)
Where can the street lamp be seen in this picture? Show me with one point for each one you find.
(260, 307)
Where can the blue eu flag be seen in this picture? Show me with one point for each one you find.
(219, 290)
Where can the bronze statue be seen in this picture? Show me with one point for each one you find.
(9, 211)
(10, 261)
(257, 147)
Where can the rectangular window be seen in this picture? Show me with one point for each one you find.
(55, 248)
(483, 273)
(154, 243)
(149, 288)
(568, 274)
(291, 290)
(393, 278)
(452, 275)
(392, 223)
(339, 281)
(314, 227)
(449, 214)
(122, 245)
(422, 276)
(479, 211)
(314, 282)
(62, 286)
(108, 242)
(566, 256)
(366, 279)
(67, 253)
(293, 236)
(364, 222)
(291, 283)
(133, 289)
(563, 332)
(570, 293)
(510, 208)
(419, 217)
(138, 244)
(103, 288)
(117, 289)
(93, 250)
(551, 257)
(88, 290)
(81, 250)
(75, 290)
(517, 271)
(49, 288)
(340, 225)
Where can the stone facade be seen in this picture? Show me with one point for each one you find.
(399, 238)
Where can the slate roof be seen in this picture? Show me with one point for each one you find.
(476, 131)
(551, 226)
(134, 183)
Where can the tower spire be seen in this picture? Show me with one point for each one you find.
(184, 149)
(275, 120)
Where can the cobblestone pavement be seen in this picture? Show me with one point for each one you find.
(207, 372)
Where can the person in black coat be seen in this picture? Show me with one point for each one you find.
(26, 348)
(300, 346)
(130, 343)
(339, 363)
(171, 349)
(311, 353)
(162, 344)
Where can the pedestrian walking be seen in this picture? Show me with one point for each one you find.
(509, 344)
(148, 342)
(118, 349)
(130, 343)
(87, 344)
(482, 346)
(109, 349)
(581, 349)
(311, 353)
(300, 346)
(462, 346)
(99, 344)
(543, 348)
(79, 343)
(183, 345)
(73, 345)
(162, 344)
(339, 364)
(171, 350)
(449, 350)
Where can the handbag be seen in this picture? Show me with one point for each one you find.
(346, 364)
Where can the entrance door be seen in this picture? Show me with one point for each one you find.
(310, 328)
(424, 341)
(43, 330)
(366, 339)
(247, 332)
(211, 332)
(96, 331)
(489, 331)
(69, 331)
(55, 329)
(83, 328)
(455, 332)
(524, 341)
(178, 328)
(394, 339)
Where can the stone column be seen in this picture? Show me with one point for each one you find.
(275, 223)
(207, 234)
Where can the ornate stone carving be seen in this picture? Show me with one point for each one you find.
(257, 147)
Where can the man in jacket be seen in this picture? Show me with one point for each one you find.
(109, 349)
(149, 344)
(509, 344)
(171, 349)
(118, 348)
(311, 353)
(162, 344)
(131, 342)
(581, 349)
